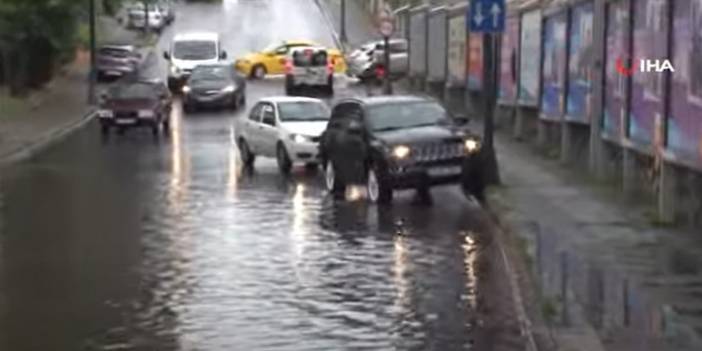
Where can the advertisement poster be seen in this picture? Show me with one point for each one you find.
(418, 44)
(437, 46)
(530, 59)
(475, 61)
(685, 120)
(553, 74)
(647, 88)
(616, 84)
(508, 62)
(580, 62)
(457, 51)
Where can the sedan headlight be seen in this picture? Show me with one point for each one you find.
(401, 151)
(146, 114)
(105, 114)
(175, 70)
(229, 89)
(300, 138)
(186, 89)
(472, 145)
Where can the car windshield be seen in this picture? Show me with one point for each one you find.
(309, 57)
(303, 111)
(133, 91)
(210, 73)
(195, 50)
(272, 47)
(405, 115)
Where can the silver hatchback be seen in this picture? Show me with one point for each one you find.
(364, 61)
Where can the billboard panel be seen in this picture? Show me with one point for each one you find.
(616, 89)
(437, 46)
(685, 120)
(647, 88)
(580, 62)
(553, 74)
(530, 59)
(508, 62)
(418, 44)
(457, 51)
(475, 61)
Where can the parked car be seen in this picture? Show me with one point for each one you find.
(115, 61)
(188, 50)
(136, 15)
(398, 142)
(287, 128)
(216, 85)
(135, 103)
(271, 60)
(364, 61)
(309, 67)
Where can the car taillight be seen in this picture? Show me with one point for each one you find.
(288, 66)
(380, 72)
(330, 66)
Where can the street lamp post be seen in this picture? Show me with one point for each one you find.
(342, 33)
(93, 49)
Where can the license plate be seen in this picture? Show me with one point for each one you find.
(444, 171)
(125, 121)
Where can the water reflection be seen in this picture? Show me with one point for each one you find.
(180, 164)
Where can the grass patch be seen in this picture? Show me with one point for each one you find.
(12, 107)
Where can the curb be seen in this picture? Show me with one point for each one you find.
(31, 149)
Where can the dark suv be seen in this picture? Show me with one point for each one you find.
(399, 142)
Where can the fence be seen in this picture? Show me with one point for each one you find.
(561, 84)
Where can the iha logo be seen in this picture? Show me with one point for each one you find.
(643, 66)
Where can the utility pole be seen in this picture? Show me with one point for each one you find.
(146, 18)
(342, 33)
(93, 52)
(387, 85)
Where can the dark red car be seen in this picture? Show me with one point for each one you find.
(138, 103)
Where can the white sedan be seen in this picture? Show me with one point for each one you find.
(287, 128)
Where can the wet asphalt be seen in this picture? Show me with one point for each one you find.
(137, 243)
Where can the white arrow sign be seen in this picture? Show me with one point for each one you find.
(495, 11)
(478, 18)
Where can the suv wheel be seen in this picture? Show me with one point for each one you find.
(331, 179)
(284, 163)
(378, 189)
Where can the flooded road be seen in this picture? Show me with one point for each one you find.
(133, 243)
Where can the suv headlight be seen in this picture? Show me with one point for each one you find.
(146, 114)
(298, 138)
(229, 89)
(471, 145)
(401, 152)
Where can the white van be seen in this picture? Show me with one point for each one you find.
(189, 50)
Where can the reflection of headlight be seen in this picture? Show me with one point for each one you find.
(146, 114)
(105, 113)
(401, 151)
(300, 138)
(471, 145)
(186, 89)
(229, 89)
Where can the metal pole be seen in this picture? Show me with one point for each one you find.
(387, 84)
(491, 55)
(93, 50)
(342, 33)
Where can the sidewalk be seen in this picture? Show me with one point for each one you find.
(47, 115)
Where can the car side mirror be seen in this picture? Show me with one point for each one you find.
(461, 120)
(355, 128)
(223, 55)
(166, 55)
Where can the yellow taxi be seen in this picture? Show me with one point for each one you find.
(271, 60)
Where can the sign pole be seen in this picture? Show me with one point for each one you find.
(93, 70)
(387, 84)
